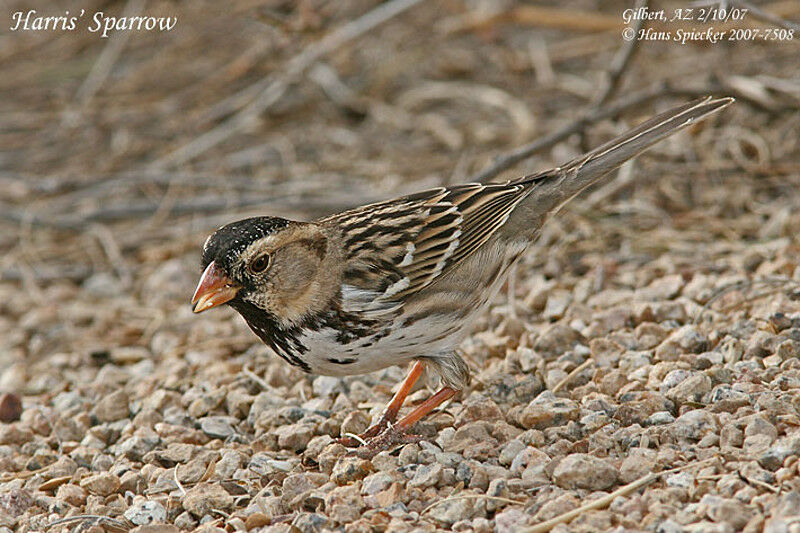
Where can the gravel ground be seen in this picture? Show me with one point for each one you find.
(600, 376)
(655, 326)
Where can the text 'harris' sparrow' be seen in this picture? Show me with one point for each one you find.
(402, 280)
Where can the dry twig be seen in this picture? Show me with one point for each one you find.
(737, 285)
(113, 524)
(471, 497)
(756, 12)
(356, 438)
(661, 89)
(586, 119)
(621, 61)
(277, 85)
(580, 368)
(256, 378)
(534, 16)
(606, 500)
(177, 481)
(105, 62)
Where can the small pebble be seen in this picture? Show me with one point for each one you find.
(218, 427)
(101, 484)
(146, 512)
(582, 471)
(203, 498)
(10, 407)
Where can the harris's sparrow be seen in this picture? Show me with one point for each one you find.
(402, 280)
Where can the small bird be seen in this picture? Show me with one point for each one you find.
(399, 281)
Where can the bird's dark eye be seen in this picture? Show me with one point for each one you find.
(260, 263)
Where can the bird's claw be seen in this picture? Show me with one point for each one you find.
(371, 432)
(390, 437)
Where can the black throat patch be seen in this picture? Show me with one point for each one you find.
(284, 342)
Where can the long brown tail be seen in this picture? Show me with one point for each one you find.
(554, 188)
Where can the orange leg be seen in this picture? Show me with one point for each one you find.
(389, 414)
(398, 433)
(426, 407)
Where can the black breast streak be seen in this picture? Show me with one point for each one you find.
(286, 342)
(350, 327)
(347, 361)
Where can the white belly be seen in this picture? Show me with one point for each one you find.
(431, 325)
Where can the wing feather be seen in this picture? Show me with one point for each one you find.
(396, 248)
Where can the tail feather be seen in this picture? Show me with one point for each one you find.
(611, 155)
(554, 188)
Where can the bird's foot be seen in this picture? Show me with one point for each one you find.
(389, 415)
(389, 438)
(374, 430)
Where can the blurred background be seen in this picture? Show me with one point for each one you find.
(118, 156)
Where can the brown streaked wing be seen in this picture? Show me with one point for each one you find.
(396, 248)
